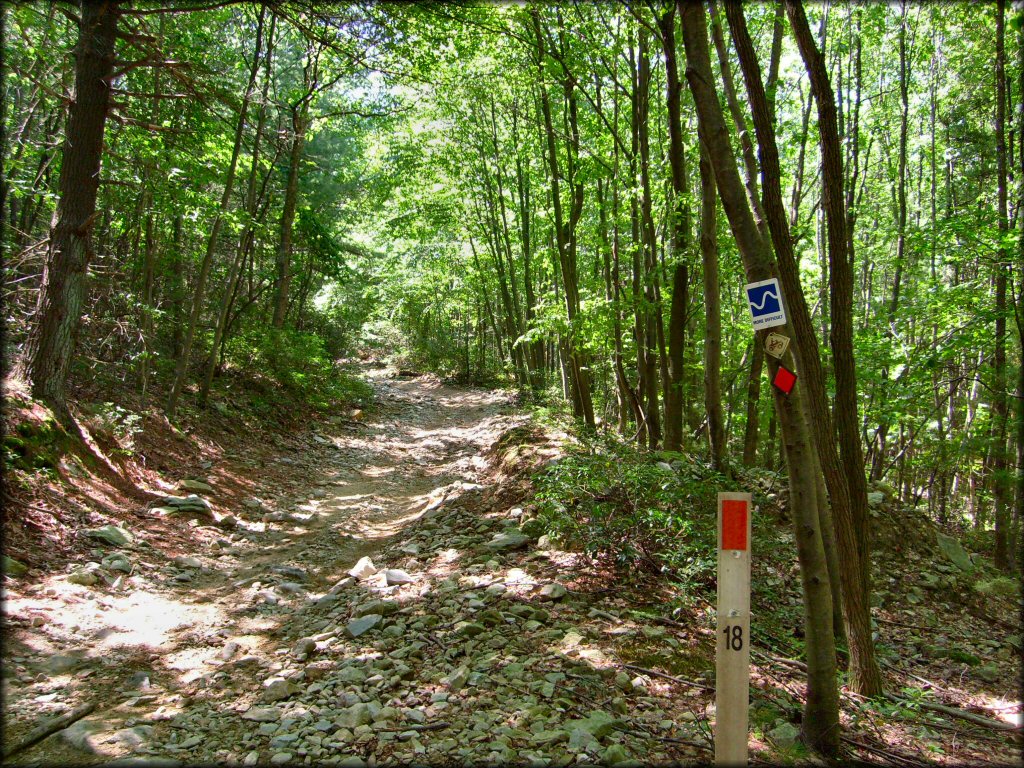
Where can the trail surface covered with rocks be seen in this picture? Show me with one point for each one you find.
(383, 605)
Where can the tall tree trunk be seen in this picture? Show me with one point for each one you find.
(821, 715)
(565, 225)
(679, 230)
(1001, 486)
(199, 289)
(148, 307)
(535, 355)
(849, 513)
(50, 346)
(643, 247)
(291, 196)
(712, 313)
(251, 200)
(1018, 509)
(878, 445)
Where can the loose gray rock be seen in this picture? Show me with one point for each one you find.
(262, 714)
(59, 664)
(506, 542)
(192, 501)
(954, 551)
(553, 591)
(291, 572)
(195, 485)
(616, 753)
(383, 607)
(306, 646)
(457, 679)
(598, 724)
(84, 576)
(112, 534)
(83, 735)
(277, 689)
(396, 576)
(117, 562)
(363, 624)
(354, 716)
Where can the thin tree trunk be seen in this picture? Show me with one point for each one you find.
(149, 259)
(849, 512)
(235, 270)
(1001, 496)
(565, 226)
(291, 196)
(199, 289)
(712, 314)
(821, 715)
(679, 238)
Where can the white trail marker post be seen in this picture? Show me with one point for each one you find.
(732, 650)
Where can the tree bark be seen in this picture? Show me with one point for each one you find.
(712, 314)
(565, 226)
(50, 346)
(848, 513)
(821, 716)
(235, 270)
(199, 289)
(680, 236)
(1000, 411)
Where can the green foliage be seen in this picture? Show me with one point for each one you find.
(1000, 585)
(298, 361)
(612, 501)
(114, 423)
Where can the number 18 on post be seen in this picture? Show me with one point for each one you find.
(732, 652)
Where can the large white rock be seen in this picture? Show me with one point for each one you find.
(363, 569)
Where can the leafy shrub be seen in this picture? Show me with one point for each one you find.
(114, 423)
(616, 502)
(1000, 585)
(298, 361)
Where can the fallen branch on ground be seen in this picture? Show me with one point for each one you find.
(49, 728)
(892, 757)
(666, 676)
(988, 722)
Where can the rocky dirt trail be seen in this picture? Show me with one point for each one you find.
(465, 641)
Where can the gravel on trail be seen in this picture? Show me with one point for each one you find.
(391, 612)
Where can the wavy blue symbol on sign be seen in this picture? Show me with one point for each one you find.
(763, 300)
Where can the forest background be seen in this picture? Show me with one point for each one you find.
(563, 198)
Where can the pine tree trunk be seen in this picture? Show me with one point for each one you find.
(50, 346)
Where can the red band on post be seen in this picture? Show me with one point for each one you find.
(734, 524)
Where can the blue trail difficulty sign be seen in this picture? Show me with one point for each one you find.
(765, 300)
